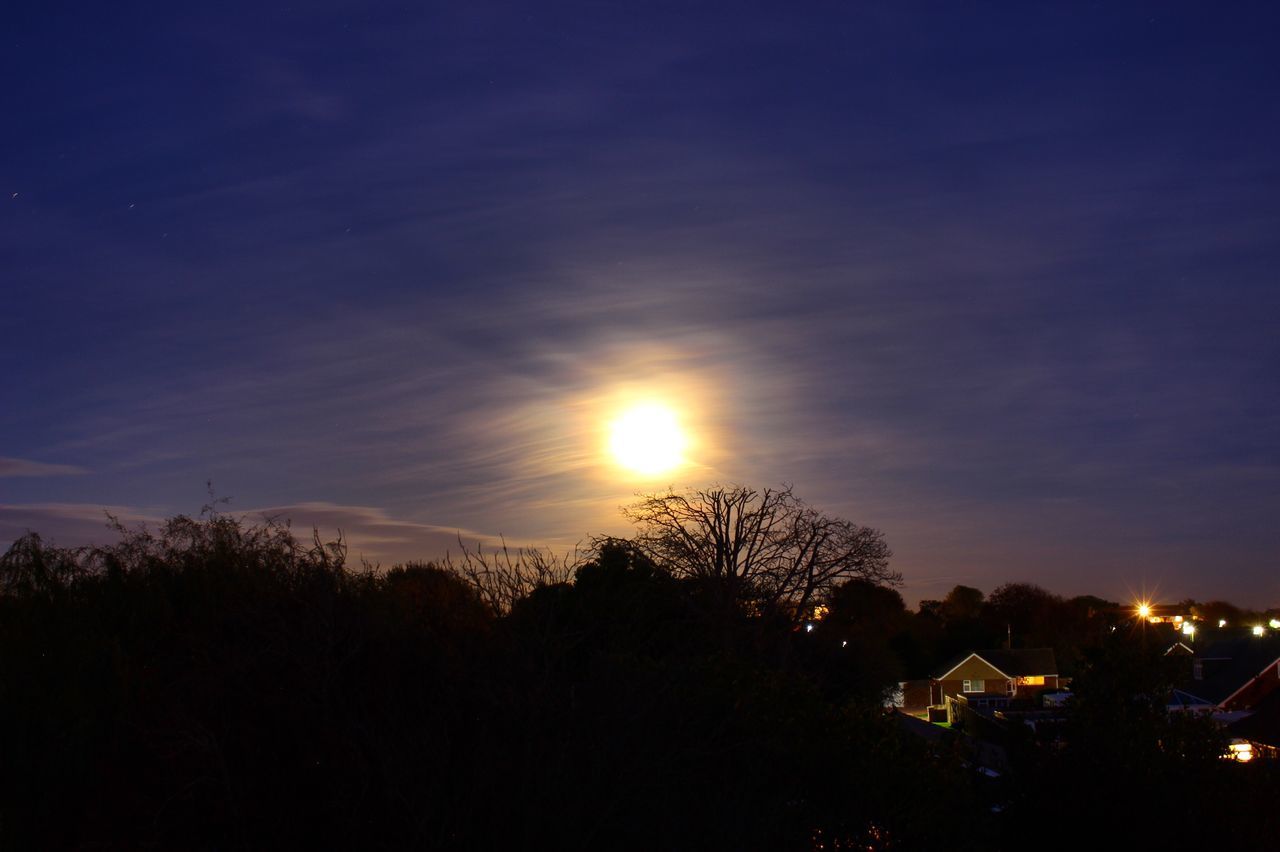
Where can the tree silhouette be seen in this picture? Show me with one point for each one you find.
(766, 549)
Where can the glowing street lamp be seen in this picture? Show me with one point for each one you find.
(1144, 610)
(1258, 630)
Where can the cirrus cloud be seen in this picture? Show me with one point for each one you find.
(11, 467)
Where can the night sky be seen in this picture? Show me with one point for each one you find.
(1000, 280)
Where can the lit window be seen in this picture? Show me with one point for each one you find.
(975, 686)
(1033, 680)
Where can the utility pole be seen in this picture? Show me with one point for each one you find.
(1008, 642)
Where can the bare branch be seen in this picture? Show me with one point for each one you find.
(768, 549)
(504, 577)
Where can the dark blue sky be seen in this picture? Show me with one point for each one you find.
(999, 279)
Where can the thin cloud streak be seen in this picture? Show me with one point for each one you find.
(68, 524)
(10, 467)
(371, 534)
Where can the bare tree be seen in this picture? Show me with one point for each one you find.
(766, 548)
(504, 576)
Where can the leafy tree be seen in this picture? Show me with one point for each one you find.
(1214, 611)
(962, 603)
(857, 648)
(435, 598)
(866, 605)
(1032, 614)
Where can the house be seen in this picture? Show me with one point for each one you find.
(994, 677)
(1160, 614)
(1238, 681)
(989, 679)
(1258, 734)
(986, 679)
(1232, 675)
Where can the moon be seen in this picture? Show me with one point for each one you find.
(647, 439)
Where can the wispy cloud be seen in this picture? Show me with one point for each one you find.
(68, 524)
(371, 534)
(10, 467)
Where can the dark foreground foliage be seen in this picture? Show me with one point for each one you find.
(1149, 776)
(223, 686)
(219, 685)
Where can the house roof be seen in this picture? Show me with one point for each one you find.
(1019, 662)
(1182, 698)
(1234, 663)
(1263, 725)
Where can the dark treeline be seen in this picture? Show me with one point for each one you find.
(1020, 615)
(965, 620)
(220, 685)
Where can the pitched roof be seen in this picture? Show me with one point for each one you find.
(1263, 725)
(1182, 698)
(1020, 662)
(1235, 662)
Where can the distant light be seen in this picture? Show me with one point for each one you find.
(1144, 610)
(1241, 751)
(1275, 623)
(1258, 630)
(1188, 629)
(1177, 619)
(808, 628)
(1222, 622)
(844, 644)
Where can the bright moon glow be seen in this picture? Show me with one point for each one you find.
(647, 439)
